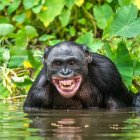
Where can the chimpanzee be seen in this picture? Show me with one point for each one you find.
(73, 77)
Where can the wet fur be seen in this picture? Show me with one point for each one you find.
(103, 87)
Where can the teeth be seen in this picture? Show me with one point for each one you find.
(66, 82)
(70, 87)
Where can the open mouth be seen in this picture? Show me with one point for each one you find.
(67, 87)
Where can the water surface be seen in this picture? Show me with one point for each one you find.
(98, 124)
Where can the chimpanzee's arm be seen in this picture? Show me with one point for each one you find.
(107, 79)
(39, 93)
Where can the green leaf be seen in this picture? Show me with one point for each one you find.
(53, 9)
(21, 38)
(25, 35)
(4, 3)
(89, 5)
(86, 39)
(4, 55)
(26, 82)
(2, 52)
(69, 3)
(46, 37)
(102, 15)
(28, 4)
(20, 18)
(126, 23)
(6, 29)
(72, 30)
(4, 20)
(1, 57)
(82, 21)
(65, 16)
(31, 32)
(97, 44)
(109, 1)
(16, 61)
(18, 50)
(137, 69)
(13, 6)
(124, 2)
(4, 93)
(124, 63)
(109, 52)
(37, 9)
(54, 42)
(32, 60)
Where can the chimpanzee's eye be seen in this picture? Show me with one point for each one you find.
(57, 63)
(72, 62)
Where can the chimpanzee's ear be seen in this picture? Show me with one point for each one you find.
(88, 54)
(45, 55)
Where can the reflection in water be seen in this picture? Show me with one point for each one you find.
(14, 125)
(84, 124)
(98, 124)
(65, 128)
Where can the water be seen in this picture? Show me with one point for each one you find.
(96, 124)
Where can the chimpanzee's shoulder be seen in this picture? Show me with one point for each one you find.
(98, 58)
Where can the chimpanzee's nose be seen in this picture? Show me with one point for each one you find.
(66, 71)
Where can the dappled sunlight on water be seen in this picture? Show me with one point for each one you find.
(96, 124)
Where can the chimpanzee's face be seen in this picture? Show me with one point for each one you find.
(67, 67)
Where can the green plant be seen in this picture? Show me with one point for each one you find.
(27, 27)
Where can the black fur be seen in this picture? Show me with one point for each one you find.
(102, 87)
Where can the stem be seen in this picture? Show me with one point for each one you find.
(17, 97)
(92, 20)
(75, 16)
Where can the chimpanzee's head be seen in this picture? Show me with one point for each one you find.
(67, 67)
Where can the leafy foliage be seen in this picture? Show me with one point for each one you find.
(121, 57)
(27, 27)
(51, 9)
(6, 29)
(126, 23)
(102, 14)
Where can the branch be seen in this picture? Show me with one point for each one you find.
(91, 18)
